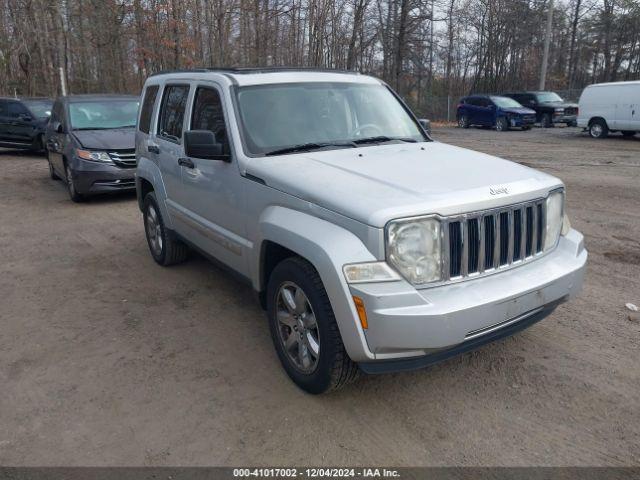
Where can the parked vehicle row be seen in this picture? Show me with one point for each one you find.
(515, 110)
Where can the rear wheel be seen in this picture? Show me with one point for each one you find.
(71, 186)
(546, 121)
(165, 248)
(502, 125)
(598, 128)
(304, 329)
(463, 121)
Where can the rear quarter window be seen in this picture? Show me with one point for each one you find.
(171, 118)
(147, 108)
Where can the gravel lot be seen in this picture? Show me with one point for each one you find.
(108, 359)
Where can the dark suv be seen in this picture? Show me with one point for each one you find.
(90, 141)
(23, 121)
(549, 106)
(494, 111)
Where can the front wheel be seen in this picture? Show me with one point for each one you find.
(502, 125)
(71, 186)
(304, 329)
(164, 247)
(52, 173)
(463, 121)
(598, 129)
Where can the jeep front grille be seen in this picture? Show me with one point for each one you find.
(485, 241)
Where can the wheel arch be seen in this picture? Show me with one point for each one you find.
(327, 247)
(597, 118)
(148, 177)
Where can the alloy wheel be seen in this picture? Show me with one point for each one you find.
(154, 230)
(297, 327)
(596, 130)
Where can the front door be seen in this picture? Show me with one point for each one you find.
(212, 194)
(20, 123)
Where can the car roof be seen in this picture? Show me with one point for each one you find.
(26, 99)
(269, 75)
(630, 82)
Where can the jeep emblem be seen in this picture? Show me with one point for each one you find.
(498, 191)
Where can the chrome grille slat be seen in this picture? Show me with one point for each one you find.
(482, 242)
(124, 158)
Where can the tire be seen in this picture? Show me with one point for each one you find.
(328, 365)
(463, 121)
(38, 144)
(52, 174)
(628, 133)
(545, 121)
(598, 128)
(502, 125)
(165, 248)
(71, 186)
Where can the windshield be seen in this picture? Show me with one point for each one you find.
(548, 97)
(505, 102)
(104, 114)
(279, 116)
(40, 108)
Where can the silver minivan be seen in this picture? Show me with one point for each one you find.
(371, 247)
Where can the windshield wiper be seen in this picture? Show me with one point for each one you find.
(307, 147)
(383, 138)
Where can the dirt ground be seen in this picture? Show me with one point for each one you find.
(108, 359)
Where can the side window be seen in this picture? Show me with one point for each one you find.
(3, 108)
(209, 115)
(472, 101)
(147, 108)
(483, 102)
(174, 100)
(16, 109)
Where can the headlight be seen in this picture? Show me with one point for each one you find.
(369, 272)
(94, 156)
(554, 219)
(414, 249)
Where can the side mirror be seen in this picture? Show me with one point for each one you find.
(203, 144)
(426, 124)
(57, 127)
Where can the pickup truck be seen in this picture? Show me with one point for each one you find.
(371, 247)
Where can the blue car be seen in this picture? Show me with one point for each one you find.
(494, 111)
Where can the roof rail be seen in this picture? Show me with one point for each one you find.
(250, 70)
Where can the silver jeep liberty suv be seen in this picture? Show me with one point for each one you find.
(371, 247)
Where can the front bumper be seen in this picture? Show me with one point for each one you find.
(95, 177)
(419, 325)
(564, 118)
(521, 121)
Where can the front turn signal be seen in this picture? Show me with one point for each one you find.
(362, 312)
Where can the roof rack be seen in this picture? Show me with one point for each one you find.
(251, 70)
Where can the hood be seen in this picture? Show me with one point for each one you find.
(519, 111)
(111, 139)
(379, 183)
(558, 104)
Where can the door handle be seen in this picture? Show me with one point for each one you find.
(186, 162)
(153, 149)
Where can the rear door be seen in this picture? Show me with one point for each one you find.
(165, 146)
(471, 110)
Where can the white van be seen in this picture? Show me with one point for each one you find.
(610, 107)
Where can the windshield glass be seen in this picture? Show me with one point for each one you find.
(505, 102)
(548, 97)
(278, 116)
(101, 115)
(40, 108)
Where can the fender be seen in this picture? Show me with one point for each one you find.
(328, 247)
(149, 171)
